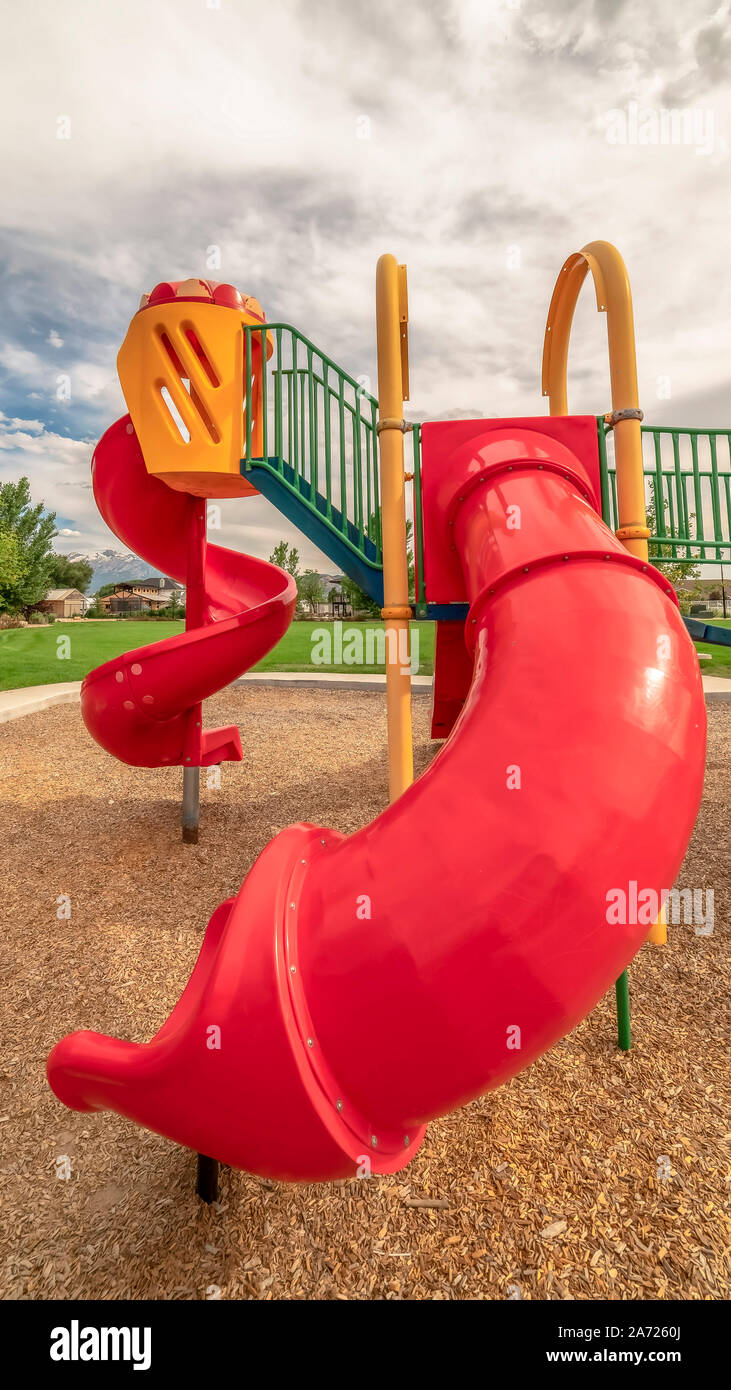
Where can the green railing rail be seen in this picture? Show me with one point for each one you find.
(318, 435)
(687, 490)
(420, 595)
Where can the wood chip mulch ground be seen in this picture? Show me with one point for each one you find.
(592, 1175)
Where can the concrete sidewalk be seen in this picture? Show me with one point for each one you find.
(329, 680)
(32, 698)
(716, 688)
(15, 703)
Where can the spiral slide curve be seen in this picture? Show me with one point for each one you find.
(358, 986)
(145, 706)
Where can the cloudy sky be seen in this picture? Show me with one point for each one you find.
(481, 141)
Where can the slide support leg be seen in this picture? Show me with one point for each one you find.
(191, 805)
(624, 1031)
(207, 1181)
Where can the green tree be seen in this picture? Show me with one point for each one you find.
(410, 556)
(70, 574)
(32, 529)
(359, 600)
(310, 589)
(105, 589)
(287, 557)
(11, 560)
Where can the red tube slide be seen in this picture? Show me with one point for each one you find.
(358, 986)
(144, 706)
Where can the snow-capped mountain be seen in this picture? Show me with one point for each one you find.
(112, 565)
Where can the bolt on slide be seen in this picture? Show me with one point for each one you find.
(309, 1037)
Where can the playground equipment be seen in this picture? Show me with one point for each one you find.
(145, 706)
(566, 687)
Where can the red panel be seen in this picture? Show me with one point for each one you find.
(450, 454)
(452, 678)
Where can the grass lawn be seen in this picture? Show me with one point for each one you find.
(721, 663)
(28, 654)
(299, 648)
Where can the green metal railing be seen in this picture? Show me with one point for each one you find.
(319, 435)
(687, 490)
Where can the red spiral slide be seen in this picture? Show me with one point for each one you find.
(358, 986)
(145, 706)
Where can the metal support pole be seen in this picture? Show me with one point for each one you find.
(391, 320)
(207, 1182)
(195, 603)
(624, 1032)
(191, 804)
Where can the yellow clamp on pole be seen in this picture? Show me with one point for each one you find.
(393, 390)
(613, 298)
(633, 533)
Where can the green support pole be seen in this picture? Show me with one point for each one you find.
(624, 1032)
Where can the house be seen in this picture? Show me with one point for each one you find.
(148, 595)
(63, 603)
(705, 597)
(157, 586)
(336, 604)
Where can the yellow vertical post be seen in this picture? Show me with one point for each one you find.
(658, 933)
(614, 298)
(391, 317)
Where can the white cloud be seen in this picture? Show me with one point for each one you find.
(483, 129)
(59, 472)
(25, 426)
(28, 366)
(303, 140)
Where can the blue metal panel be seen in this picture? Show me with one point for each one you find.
(446, 612)
(707, 632)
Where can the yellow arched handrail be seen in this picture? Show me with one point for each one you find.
(614, 298)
